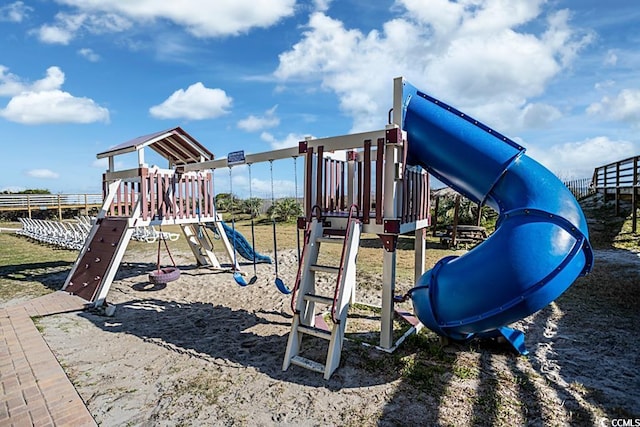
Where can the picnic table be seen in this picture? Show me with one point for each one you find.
(463, 234)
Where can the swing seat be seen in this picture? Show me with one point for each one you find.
(165, 275)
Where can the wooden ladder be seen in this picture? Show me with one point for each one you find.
(200, 245)
(304, 299)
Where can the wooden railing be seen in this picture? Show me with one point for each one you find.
(620, 179)
(334, 185)
(164, 194)
(623, 174)
(39, 202)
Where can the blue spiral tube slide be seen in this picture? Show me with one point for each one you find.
(540, 245)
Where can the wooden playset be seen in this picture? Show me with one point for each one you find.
(353, 184)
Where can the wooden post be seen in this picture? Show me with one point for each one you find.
(59, 207)
(435, 216)
(319, 172)
(308, 181)
(29, 205)
(351, 180)
(454, 230)
(420, 248)
(389, 259)
(617, 189)
(366, 184)
(380, 179)
(634, 195)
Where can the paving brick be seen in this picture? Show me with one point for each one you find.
(10, 384)
(40, 415)
(16, 403)
(36, 390)
(75, 420)
(31, 393)
(4, 413)
(21, 420)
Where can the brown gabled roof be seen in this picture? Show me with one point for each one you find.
(175, 144)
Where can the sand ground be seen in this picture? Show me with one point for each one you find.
(204, 351)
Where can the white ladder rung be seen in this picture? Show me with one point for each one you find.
(308, 364)
(324, 268)
(316, 332)
(318, 298)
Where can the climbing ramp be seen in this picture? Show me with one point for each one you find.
(100, 258)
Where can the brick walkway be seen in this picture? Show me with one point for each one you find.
(35, 391)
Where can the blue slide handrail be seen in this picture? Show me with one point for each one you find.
(541, 242)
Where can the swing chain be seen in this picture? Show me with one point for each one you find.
(166, 245)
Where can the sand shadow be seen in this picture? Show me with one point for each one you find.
(591, 331)
(582, 366)
(212, 332)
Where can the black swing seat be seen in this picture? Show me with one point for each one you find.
(162, 276)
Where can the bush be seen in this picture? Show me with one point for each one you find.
(285, 210)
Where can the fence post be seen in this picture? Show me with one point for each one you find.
(617, 188)
(59, 207)
(634, 198)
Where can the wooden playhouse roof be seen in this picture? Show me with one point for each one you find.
(175, 144)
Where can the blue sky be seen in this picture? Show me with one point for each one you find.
(79, 76)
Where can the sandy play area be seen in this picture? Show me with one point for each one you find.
(204, 351)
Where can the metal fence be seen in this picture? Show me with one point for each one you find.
(580, 188)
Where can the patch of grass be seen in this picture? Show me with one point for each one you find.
(465, 372)
(421, 372)
(28, 269)
(202, 385)
(37, 324)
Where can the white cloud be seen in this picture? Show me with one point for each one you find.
(43, 101)
(624, 107)
(611, 58)
(291, 140)
(15, 12)
(536, 116)
(321, 5)
(604, 84)
(66, 26)
(89, 54)
(578, 159)
(53, 106)
(196, 103)
(432, 47)
(256, 123)
(62, 31)
(42, 173)
(10, 84)
(201, 19)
